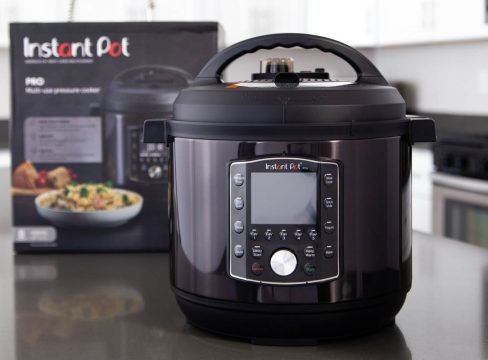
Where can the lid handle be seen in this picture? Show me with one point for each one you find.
(365, 70)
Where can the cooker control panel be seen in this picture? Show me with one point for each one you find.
(148, 162)
(284, 220)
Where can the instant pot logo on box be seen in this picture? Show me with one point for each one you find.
(293, 166)
(102, 47)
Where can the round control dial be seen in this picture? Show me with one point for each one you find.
(283, 262)
(155, 172)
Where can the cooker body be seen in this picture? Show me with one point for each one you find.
(303, 232)
(375, 220)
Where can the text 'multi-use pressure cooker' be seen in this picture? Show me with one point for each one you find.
(290, 197)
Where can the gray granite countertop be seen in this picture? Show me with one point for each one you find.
(120, 306)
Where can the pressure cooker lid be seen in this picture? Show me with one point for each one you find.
(285, 96)
(281, 104)
(147, 89)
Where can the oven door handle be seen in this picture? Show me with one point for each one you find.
(460, 183)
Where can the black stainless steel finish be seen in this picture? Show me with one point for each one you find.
(375, 221)
(340, 264)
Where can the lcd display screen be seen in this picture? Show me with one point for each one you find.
(283, 198)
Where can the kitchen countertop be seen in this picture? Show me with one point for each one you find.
(130, 312)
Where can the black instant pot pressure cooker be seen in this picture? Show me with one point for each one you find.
(291, 197)
(134, 95)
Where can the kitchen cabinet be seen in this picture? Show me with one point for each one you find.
(240, 19)
(28, 11)
(58, 11)
(403, 22)
(245, 19)
(360, 23)
(455, 20)
(371, 23)
(351, 21)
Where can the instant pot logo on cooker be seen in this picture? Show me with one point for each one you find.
(293, 166)
(54, 48)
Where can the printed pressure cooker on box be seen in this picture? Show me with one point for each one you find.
(290, 197)
(136, 94)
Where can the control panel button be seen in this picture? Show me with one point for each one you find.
(238, 179)
(328, 202)
(283, 262)
(329, 251)
(309, 269)
(268, 234)
(238, 203)
(238, 251)
(253, 234)
(313, 234)
(298, 234)
(257, 251)
(155, 172)
(328, 179)
(283, 234)
(238, 226)
(329, 227)
(257, 268)
(309, 252)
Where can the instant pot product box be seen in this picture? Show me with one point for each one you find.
(82, 180)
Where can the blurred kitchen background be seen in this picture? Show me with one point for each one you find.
(434, 51)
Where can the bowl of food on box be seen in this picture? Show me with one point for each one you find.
(88, 205)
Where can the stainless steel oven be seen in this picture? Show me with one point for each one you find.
(460, 208)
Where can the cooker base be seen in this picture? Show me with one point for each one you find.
(301, 324)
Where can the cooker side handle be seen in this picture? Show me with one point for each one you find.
(156, 131)
(422, 129)
(367, 73)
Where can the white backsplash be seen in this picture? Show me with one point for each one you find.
(450, 78)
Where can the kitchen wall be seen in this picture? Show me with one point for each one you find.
(4, 83)
(447, 77)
